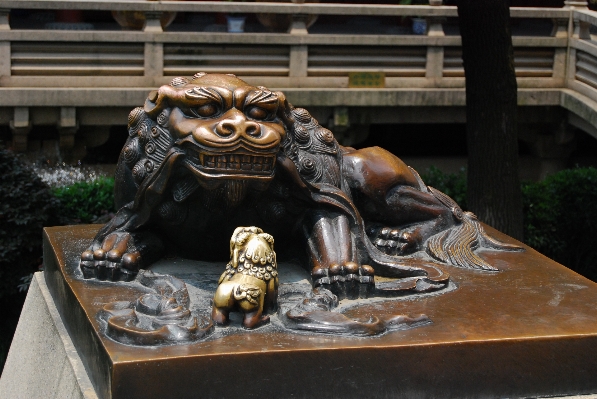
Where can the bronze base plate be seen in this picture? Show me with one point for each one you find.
(528, 330)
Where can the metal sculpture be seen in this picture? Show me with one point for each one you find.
(210, 153)
(250, 281)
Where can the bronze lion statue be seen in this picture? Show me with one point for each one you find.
(210, 153)
(250, 281)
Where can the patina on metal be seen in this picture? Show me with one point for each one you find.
(529, 330)
(210, 153)
(250, 281)
(250, 285)
(161, 316)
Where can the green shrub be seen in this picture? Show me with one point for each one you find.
(451, 184)
(87, 202)
(26, 206)
(561, 218)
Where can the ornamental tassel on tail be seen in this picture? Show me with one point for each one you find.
(456, 246)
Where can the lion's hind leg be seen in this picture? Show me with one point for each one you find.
(250, 299)
(223, 303)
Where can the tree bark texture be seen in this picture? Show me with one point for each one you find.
(494, 192)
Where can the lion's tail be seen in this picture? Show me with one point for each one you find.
(456, 246)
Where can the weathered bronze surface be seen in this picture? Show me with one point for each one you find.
(250, 281)
(210, 153)
(160, 316)
(528, 330)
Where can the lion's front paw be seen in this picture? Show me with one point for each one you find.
(348, 279)
(116, 259)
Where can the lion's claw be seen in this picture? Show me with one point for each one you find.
(115, 260)
(347, 280)
(394, 241)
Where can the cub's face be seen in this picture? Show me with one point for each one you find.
(228, 129)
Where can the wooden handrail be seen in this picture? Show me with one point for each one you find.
(274, 8)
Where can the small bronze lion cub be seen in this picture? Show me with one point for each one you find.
(250, 281)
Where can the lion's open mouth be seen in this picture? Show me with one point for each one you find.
(232, 164)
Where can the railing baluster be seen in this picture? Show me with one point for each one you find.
(434, 66)
(20, 126)
(560, 30)
(298, 26)
(154, 59)
(154, 52)
(574, 33)
(152, 22)
(67, 128)
(299, 60)
(5, 62)
(299, 55)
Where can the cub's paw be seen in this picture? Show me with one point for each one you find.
(116, 259)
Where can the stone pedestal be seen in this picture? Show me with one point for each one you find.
(43, 361)
(529, 330)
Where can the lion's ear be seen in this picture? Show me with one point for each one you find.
(284, 108)
(267, 238)
(237, 231)
(157, 100)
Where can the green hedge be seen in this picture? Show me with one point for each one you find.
(451, 184)
(87, 202)
(560, 218)
(26, 206)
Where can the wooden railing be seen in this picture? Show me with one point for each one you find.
(555, 57)
(37, 58)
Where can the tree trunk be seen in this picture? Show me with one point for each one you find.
(494, 192)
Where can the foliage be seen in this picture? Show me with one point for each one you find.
(87, 202)
(26, 206)
(561, 218)
(66, 175)
(451, 184)
(25, 282)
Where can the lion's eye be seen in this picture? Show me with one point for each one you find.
(257, 113)
(207, 110)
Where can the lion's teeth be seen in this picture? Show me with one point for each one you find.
(267, 166)
(234, 162)
(257, 163)
(245, 162)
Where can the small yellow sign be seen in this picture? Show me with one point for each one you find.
(371, 80)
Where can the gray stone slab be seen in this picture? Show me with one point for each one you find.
(42, 361)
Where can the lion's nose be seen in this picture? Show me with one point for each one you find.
(236, 124)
